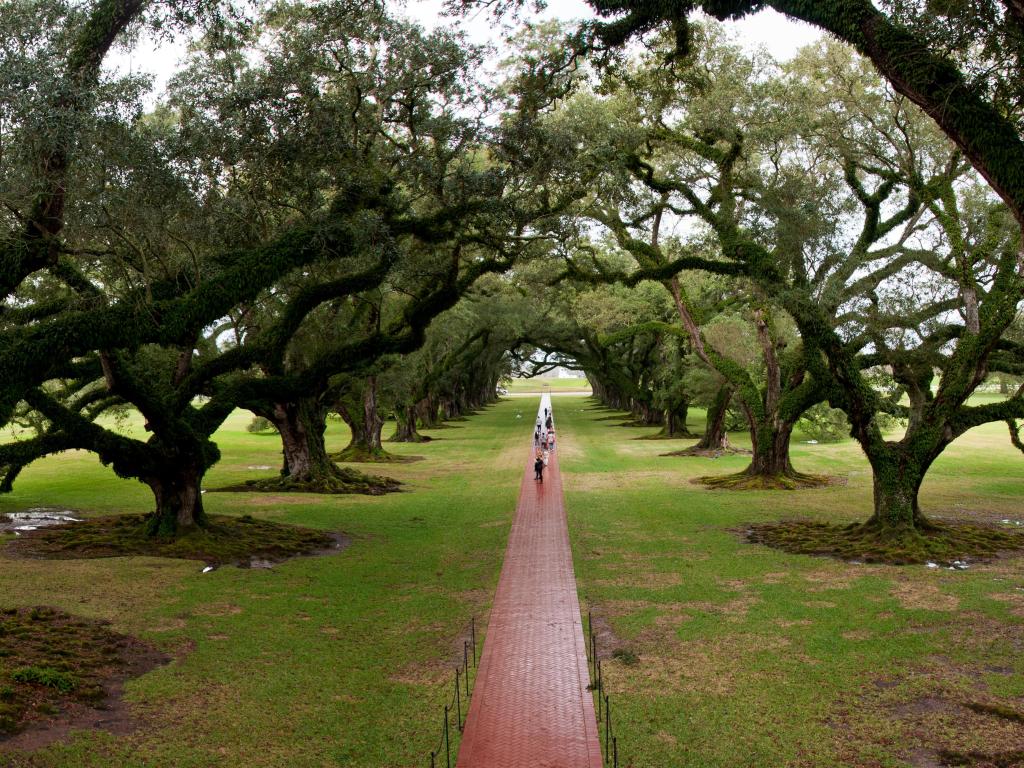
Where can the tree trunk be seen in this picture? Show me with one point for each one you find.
(301, 425)
(307, 467)
(715, 438)
(896, 481)
(179, 501)
(646, 415)
(675, 421)
(771, 451)
(426, 412)
(360, 412)
(405, 426)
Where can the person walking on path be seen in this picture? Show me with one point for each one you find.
(549, 423)
(551, 439)
(536, 438)
(538, 469)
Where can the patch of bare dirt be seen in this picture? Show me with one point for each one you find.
(80, 667)
(939, 712)
(916, 595)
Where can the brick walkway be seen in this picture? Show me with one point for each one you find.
(530, 705)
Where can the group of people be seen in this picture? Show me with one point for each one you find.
(544, 443)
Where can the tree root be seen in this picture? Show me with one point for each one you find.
(742, 481)
(709, 453)
(225, 539)
(416, 438)
(870, 542)
(339, 480)
(362, 456)
(687, 435)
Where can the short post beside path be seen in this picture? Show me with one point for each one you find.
(531, 705)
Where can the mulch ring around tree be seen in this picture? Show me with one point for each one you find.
(950, 544)
(243, 541)
(59, 672)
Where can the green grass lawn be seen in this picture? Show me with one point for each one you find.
(539, 386)
(744, 656)
(751, 657)
(340, 660)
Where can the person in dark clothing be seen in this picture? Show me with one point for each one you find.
(536, 438)
(538, 469)
(549, 423)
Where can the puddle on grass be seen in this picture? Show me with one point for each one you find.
(35, 518)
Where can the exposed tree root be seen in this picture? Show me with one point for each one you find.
(416, 438)
(870, 542)
(742, 481)
(709, 453)
(340, 480)
(687, 435)
(363, 456)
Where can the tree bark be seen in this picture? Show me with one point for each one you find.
(896, 483)
(771, 450)
(714, 438)
(301, 425)
(179, 500)
(426, 412)
(675, 421)
(405, 426)
(364, 419)
(647, 415)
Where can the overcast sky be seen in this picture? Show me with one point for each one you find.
(780, 36)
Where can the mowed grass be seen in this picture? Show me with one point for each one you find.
(747, 656)
(744, 656)
(540, 386)
(338, 660)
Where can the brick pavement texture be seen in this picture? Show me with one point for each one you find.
(530, 706)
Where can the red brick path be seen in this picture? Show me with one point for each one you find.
(530, 705)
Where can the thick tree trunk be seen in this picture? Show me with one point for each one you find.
(771, 451)
(647, 415)
(426, 412)
(179, 500)
(307, 467)
(405, 426)
(301, 425)
(896, 480)
(715, 438)
(364, 419)
(675, 421)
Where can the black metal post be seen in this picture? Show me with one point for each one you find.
(600, 693)
(472, 633)
(607, 726)
(465, 666)
(458, 700)
(615, 752)
(431, 760)
(447, 746)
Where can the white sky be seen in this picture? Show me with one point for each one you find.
(780, 36)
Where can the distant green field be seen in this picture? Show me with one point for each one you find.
(539, 386)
